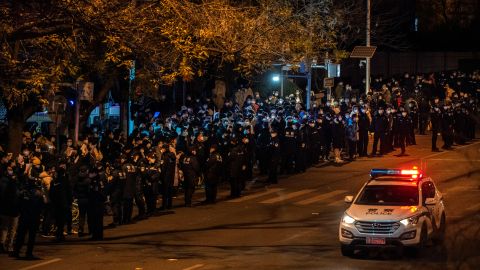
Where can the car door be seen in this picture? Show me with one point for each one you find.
(429, 191)
(437, 211)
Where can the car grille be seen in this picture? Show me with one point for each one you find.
(377, 227)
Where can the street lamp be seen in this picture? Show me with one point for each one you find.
(276, 78)
(367, 75)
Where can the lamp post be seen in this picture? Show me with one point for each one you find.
(367, 75)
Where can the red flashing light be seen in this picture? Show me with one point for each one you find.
(410, 172)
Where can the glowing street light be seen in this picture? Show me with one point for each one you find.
(276, 78)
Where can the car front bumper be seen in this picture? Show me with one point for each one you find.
(353, 237)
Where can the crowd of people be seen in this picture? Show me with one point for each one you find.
(202, 145)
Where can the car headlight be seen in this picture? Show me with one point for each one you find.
(410, 221)
(347, 219)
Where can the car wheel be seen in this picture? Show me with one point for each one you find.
(416, 251)
(440, 235)
(347, 250)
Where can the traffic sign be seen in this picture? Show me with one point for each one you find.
(363, 51)
(328, 82)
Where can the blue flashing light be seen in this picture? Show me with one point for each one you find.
(71, 102)
(381, 172)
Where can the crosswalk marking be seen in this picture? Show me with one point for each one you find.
(288, 196)
(256, 195)
(337, 203)
(321, 197)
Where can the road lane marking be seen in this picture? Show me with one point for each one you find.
(456, 189)
(474, 207)
(444, 152)
(196, 266)
(288, 196)
(321, 197)
(256, 195)
(41, 264)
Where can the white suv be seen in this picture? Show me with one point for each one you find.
(395, 208)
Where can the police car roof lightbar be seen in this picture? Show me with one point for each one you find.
(412, 173)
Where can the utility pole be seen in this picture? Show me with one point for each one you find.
(367, 75)
(309, 87)
(281, 82)
(77, 113)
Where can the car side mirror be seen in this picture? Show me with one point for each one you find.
(430, 201)
(348, 199)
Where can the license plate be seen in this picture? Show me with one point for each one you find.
(376, 241)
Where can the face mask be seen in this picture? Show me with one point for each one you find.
(69, 144)
(10, 172)
(404, 114)
(380, 112)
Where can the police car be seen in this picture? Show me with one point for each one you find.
(395, 208)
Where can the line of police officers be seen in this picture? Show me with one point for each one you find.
(158, 159)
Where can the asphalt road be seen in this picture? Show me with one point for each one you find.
(292, 225)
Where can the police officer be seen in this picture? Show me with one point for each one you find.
(152, 183)
(447, 127)
(380, 125)
(31, 203)
(115, 184)
(236, 166)
(436, 120)
(263, 139)
(59, 198)
(328, 131)
(423, 109)
(140, 164)
(129, 189)
(81, 189)
(96, 202)
(413, 114)
(274, 156)
(404, 125)
(363, 126)
(301, 148)
(313, 136)
(169, 160)
(212, 175)
(288, 147)
(191, 171)
(459, 118)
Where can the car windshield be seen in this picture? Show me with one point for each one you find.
(388, 195)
